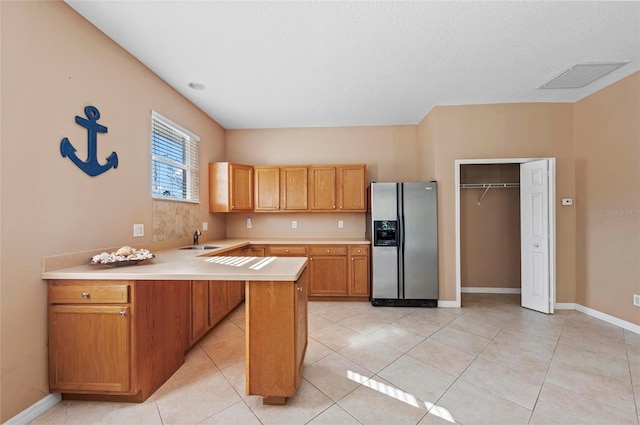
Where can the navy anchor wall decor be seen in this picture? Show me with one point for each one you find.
(91, 166)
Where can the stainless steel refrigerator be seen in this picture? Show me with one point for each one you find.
(402, 225)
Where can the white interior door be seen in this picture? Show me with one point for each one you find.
(535, 235)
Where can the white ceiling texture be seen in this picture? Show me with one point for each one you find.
(330, 63)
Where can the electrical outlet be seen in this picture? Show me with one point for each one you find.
(294, 224)
(340, 224)
(636, 300)
(249, 224)
(138, 230)
(205, 225)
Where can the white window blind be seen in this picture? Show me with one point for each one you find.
(174, 161)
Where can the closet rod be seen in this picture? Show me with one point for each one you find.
(485, 185)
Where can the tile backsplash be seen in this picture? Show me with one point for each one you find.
(174, 220)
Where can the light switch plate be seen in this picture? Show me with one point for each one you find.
(138, 230)
(205, 225)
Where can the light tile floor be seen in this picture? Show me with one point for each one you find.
(490, 362)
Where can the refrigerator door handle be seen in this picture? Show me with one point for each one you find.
(401, 241)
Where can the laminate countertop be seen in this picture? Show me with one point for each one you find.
(209, 264)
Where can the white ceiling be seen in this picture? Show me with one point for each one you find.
(320, 63)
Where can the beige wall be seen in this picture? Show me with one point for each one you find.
(503, 131)
(54, 63)
(607, 145)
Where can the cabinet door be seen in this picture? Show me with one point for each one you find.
(241, 181)
(218, 301)
(352, 188)
(328, 275)
(199, 308)
(254, 251)
(323, 188)
(359, 275)
(301, 313)
(89, 348)
(235, 293)
(267, 188)
(294, 189)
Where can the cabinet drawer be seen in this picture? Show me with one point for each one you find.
(359, 250)
(327, 250)
(288, 250)
(88, 294)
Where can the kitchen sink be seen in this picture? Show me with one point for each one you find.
(201, 247)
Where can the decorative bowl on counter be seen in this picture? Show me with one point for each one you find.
(125, 256)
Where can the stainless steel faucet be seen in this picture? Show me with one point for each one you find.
(196, 235)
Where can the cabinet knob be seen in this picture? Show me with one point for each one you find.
(300, 288)
(122, 313)
(334, 207)
(286, 250)
(328, 251)
(85, 295)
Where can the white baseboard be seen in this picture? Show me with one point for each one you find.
(484, 290)
(32, 412)
(448, 304)
(609, 319)
(564, 306)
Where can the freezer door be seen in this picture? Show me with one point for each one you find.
(384, 198)
(419, 240)
(384, 259)
(384, 272)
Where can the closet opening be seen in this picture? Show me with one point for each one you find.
(490, 228)
(505, 229)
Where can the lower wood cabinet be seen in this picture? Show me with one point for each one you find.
(276, 337)
(211, 301)
(359, 270)
(103, 333)
(328, 268)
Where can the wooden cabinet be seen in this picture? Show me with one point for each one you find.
(359, 270)
(322, 188)
(218, 301)
(280, 188)
(352, 183)
(337, 188)
(334, 270)
(118, 339)
(287, 250)
(328, 270)
(200, 322)
(230, 187)
(267, 188)
(293, 189)
(276, 337)
(254, 251)
(101, 360)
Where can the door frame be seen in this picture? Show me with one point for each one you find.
(552, 219)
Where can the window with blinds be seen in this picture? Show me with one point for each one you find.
(174, 161)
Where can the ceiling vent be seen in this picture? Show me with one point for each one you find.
(581, 74)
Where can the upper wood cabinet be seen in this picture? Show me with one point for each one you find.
(293, 189)
(230, 187)
(337, 188)
(281, 188)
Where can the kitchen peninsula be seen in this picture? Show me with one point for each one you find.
(118, 333)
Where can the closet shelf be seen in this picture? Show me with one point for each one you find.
(486, 187)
